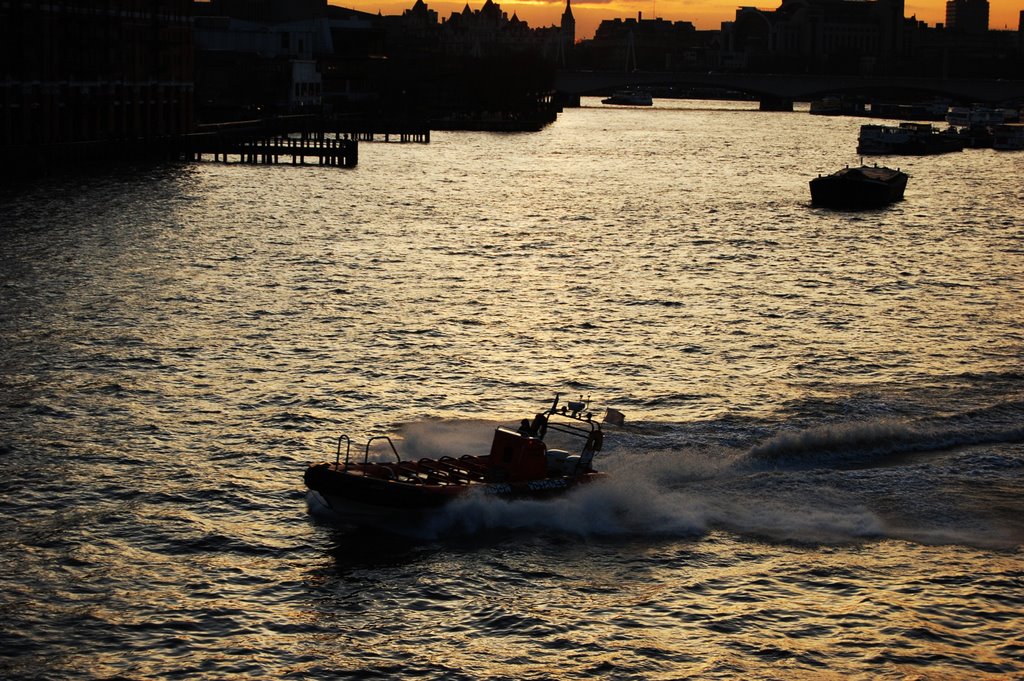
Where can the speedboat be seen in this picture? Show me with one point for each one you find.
(630, 98)
(519, 465)
(863, 187)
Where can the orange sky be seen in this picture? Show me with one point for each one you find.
(704, 14)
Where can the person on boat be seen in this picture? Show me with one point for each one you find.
(525, 429)
(540, 426)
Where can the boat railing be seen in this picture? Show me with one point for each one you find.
(571, 422)
(348, 447)
(584, 429)
(366, 453)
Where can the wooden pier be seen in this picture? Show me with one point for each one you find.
(366, 128)
(322, 149)
(299, 140)
(396, 134)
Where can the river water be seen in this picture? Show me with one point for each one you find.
(820, 474)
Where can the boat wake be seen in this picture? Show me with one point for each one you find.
(938, 481)
(643, 501)
(876, 443)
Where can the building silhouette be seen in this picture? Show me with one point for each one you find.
(867, 38)
(567, 39)
(967, 16)
(838, 36)
(474, 68)
(257, 58)
(92, 77)
(644, 44)
(260, 57)
(487, 31)
(268, 57)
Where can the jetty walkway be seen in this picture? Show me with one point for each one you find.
(294, 139)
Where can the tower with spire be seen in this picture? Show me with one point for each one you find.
(568, 31)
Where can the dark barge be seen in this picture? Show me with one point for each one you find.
(863, 187)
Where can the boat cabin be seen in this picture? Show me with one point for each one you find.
(516, 457)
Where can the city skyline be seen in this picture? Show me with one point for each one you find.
(704, 14)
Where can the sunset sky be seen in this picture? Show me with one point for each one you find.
(704, 14)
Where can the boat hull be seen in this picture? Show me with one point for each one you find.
(367, 500)
(859, 188)
(630, 98)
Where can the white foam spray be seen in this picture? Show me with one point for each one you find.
(667, 494)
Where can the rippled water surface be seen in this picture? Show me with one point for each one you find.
(820, 476)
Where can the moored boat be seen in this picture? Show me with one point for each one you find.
(630, 98)
(974, 116)
(934, 110)
(910, 139)
(826, 106)
(519, 465)
(1008, 137)
(863, 187)
(837, 106)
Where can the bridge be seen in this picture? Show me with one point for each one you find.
(778, 92)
